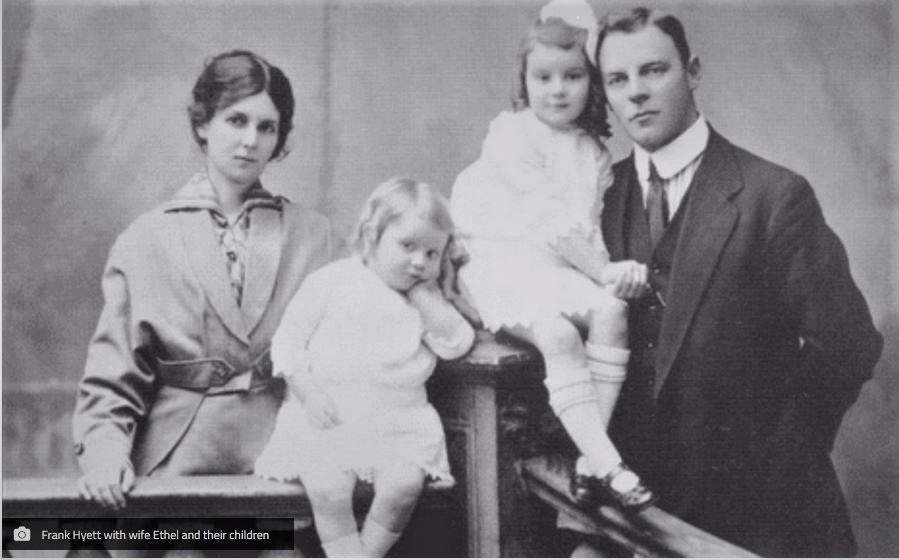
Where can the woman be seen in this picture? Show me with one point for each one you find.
(178, 379)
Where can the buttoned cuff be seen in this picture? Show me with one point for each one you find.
(96, 450)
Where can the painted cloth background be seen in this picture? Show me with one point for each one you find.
(95, 132)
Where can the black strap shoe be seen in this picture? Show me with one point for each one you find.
(629, 495)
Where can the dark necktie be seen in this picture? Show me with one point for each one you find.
(656, 205)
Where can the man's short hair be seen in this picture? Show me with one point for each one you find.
(636, 19)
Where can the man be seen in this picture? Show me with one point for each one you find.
(754, 339)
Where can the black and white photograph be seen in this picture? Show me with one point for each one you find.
(450, 278)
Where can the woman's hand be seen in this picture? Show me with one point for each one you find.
(107, 485)
(627, 279)
(321, 409)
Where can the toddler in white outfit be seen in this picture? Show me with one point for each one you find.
(356, 345)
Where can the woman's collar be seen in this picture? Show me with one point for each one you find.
(198, 194)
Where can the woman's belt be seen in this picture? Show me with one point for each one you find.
(214, 375)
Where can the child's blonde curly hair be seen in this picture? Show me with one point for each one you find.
(389, 201)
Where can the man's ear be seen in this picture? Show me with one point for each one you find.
(694, 72)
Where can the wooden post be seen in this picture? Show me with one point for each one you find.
(472, 395)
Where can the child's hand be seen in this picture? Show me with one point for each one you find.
(628, 279)
(454, 256)
(425, 292)
(321, 410)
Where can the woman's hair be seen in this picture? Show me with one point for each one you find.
(556, 33)
(235, 75)
(390, 200)
(636, 19)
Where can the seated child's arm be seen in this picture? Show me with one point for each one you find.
(587, 253)
(300, 320)
(289, 361)
(447, 333)
(486, 195)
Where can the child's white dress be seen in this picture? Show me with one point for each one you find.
(531, 185)
(364, 345)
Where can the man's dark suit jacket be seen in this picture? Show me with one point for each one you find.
(765, 343)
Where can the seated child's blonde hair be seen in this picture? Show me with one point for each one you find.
(390, 200)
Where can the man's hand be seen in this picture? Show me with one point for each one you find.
(321, 409)
(627, 279)
(107, 485)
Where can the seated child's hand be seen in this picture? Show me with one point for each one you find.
(430, 297)
(454, 257)
(425, 292)
(321, 410)
(628, 279)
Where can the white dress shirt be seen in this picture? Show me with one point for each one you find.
(676, 163)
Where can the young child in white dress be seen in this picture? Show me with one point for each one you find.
(527, 211)
(356, 345)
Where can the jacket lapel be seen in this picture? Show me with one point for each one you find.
(205, 257)
(710, 218)
(614, 210)
(262, 264)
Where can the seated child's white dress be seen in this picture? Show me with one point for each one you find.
(531, 185)
(364, 344)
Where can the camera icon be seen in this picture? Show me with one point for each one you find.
(22, 533)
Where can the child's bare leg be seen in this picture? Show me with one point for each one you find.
(607, 353)
(397, 490)
(571, 393)
(331, 497)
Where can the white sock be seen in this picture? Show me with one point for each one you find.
(608, 369)
(568, 387)
(377, 539)
(607, 363)
(349, 546)
(576, 403)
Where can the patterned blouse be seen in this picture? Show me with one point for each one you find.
(233, 237)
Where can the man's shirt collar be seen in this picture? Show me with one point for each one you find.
(678, 154)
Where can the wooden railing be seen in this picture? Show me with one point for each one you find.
(499, 427)
(181, 496)
(651, 533)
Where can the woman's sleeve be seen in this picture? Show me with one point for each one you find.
(301, 318)
(114, 393)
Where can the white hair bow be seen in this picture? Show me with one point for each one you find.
(576, 13)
